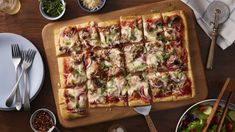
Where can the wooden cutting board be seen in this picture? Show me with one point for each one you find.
(98, 115)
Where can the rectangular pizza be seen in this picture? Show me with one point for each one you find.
(131, 29)
(88, 34)
(73, 102)
(135, 57)
(131, 61)
(110, 33)
(67, 40)
(71, 71)
(138, 90)
(153, 27)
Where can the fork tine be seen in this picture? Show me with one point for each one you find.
(32, 55)
(12, 50)
(18, 50)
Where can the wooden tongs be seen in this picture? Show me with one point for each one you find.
(215, 106)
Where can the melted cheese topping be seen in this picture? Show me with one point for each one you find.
(111, 36)
(95, 94)
(68, 40)
(151, 35)
(136, 84)
(77, 99)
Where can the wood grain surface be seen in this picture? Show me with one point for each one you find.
(98, 115)
(29, 23)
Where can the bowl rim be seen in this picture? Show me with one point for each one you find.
(49, 112)
(91, 11)
(200, 102)
(49, 17)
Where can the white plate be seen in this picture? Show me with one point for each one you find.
(7, 71)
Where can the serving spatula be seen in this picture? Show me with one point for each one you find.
(144, 110)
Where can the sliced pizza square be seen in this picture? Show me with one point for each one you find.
(135, 57)
(71, 71)
(97, 95)
(153, 27)
(110, 33)
(154, 56)
(175, 58)
(73, 102)
(138, 91)
(88, 34)
(67, 40)
(182, 85)
(111, 61)
(159, 85)
(131, 29)
(92, 64)
(116, 89)
(175, 26)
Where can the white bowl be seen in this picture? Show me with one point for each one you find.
(49, 17)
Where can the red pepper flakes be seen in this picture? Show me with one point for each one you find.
(42, 121)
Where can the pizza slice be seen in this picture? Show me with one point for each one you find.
(97, 95)
(153, 27)
(71, 71)
(175, 26)
(175, 58)
(154, 56)
(67, 40)
(73, 102)
(131, 29)
(135, 57)
(159, 85)
(116, 89)
(88, 34)
(110, 33)
(138, 91)
(111, 61)
(182, 85)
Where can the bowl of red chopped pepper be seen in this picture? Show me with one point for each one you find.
(42, 120)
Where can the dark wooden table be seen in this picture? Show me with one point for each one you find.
(29, 23)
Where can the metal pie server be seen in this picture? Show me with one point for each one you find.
(144, 110)
(217, 12)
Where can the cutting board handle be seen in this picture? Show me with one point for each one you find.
(150, 123)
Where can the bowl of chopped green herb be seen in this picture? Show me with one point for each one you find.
(52, 9)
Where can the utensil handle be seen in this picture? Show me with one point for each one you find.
(26, 94)
(210, 58)
(11, 96)
(18, 96)
(150, 123)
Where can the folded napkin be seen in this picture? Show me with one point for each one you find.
(226, 30)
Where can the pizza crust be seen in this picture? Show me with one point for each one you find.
(108, 23)
(61, 64)
(137, 102)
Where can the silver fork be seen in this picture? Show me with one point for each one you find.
(16, 59)
(27, 61)
(30, 53)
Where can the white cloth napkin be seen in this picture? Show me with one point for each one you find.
(226, 30)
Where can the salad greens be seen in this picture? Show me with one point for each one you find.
(52, 8)
(195, 119)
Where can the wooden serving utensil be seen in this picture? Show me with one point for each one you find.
(144, 110)
(216, 104)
